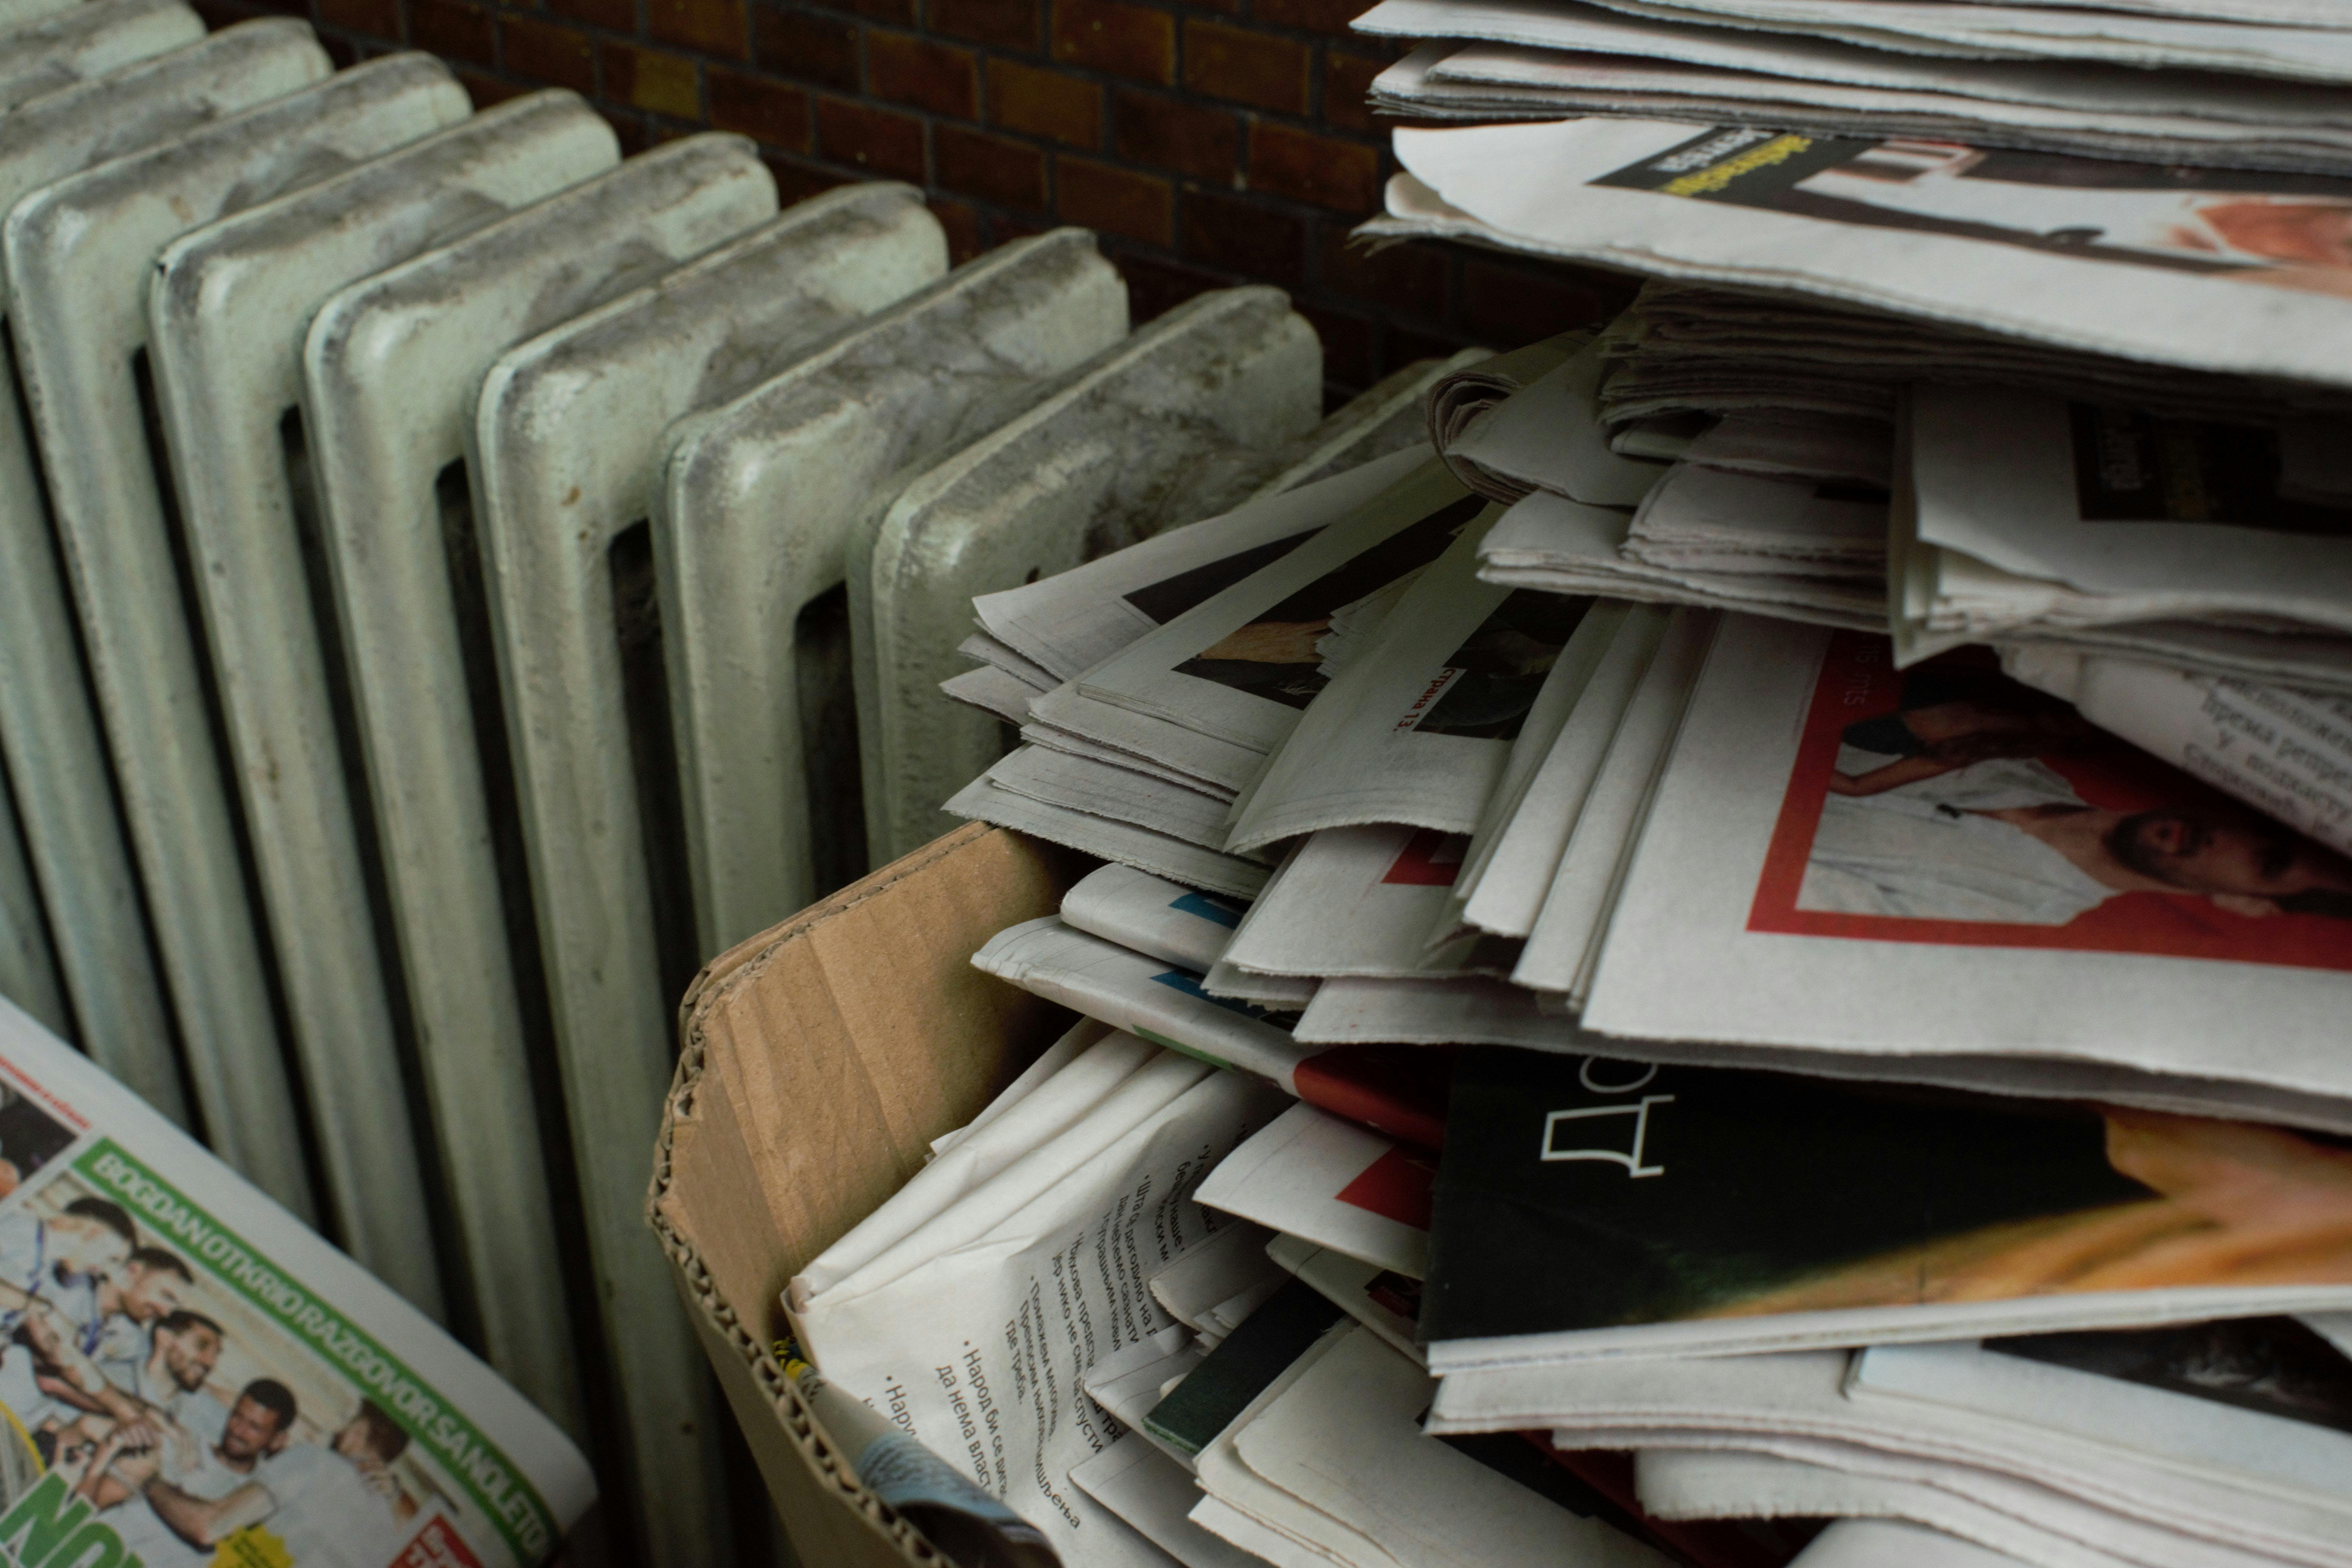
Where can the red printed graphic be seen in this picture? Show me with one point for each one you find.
(1398, 1186)
(1429, 859)
(1946, 804)
(437, 1546)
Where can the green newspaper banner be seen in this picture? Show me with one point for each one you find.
(494, 1483)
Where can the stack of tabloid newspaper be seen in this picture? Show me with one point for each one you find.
(1761, 931)
(190, 1376)
(1758, 1072)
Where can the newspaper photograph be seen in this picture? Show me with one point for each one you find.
(1831, 830)
(2286, 752)
(2072, 839)
(192, 1376)
(2090, 254)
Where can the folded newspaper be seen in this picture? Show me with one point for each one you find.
(193, 1377)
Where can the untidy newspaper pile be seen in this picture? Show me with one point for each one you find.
(189, 1375)
(1740, 956)
(1579, 1072)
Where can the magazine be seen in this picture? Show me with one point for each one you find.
(191, 1376)
(1830, 831)
(1587, 1207)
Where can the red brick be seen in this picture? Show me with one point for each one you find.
(1194, 141)
(819, 50)
(1040, 102)
(1250, 68)
(1408, 277)
(768, 112)
(1005, 230)
(453, 30)
(1258, 242)
(1110, 36)
(341, 53)
(1001, 23)
(961, 222)
(1507, 307)
(544, 52)
(921, 74)
(1308, 16)
(487, 91)
(376, 18)
(878, 141)
(1117, 201)
(1305, 167)
(1351, 347)
(990, 167)
(619, 16)
(643, 79)
(1154, 287)
(797, 182)
(1347, 80)
(714, 26)
(217, 16)
(902, 12)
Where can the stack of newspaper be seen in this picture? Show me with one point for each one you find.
(1193, 1289)
(2049, 1030)
(1758, 931)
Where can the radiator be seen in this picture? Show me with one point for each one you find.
(454, 581)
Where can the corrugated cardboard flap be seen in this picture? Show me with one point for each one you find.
(817, 1062)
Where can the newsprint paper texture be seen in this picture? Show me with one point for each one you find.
(1834, 839)
(191, 1376)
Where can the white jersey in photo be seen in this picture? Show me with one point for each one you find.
(326, 1513)
(1922, 852)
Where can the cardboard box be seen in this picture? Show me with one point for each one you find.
(817, 1062)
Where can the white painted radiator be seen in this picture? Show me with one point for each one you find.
(453, 582)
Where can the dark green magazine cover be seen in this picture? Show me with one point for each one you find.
(1582, 1194)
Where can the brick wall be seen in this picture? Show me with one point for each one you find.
(1209, 141)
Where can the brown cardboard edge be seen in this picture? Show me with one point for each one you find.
(748, 1370)
(755, 1384)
